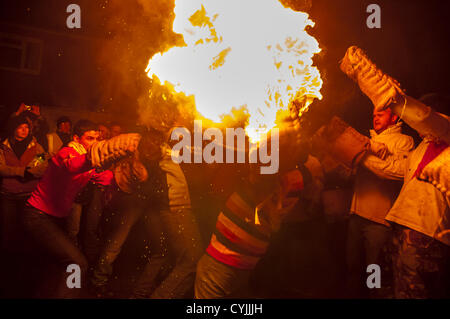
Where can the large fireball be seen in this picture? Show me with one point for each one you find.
(253, 55)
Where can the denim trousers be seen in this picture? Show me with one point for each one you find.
(215, 280)
(175, 248)
(48, 236)
(185, 248)
(83, 223)
(172, 231)
(129, 210)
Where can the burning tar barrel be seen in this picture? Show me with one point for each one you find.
(339, 147)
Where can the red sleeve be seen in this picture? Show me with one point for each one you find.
(72, 161)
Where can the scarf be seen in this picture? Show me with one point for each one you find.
(19, 147)
(77, 147)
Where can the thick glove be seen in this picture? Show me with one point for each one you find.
(37, 167)
(380, 150)
(128, 173)
(104, 153)
(423, 119)
(37, 171)
(339, 147)
(438, 172)
(378, 86)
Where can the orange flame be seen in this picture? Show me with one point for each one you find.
(253, 55)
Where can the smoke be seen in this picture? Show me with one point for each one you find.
(137, 29)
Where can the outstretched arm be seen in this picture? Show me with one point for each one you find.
(384, 91)
(393, 167)
(394, 164)
(423, 119)
(102, 154)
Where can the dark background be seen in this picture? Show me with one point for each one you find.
(411, 46)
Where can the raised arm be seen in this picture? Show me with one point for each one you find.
(395, 163)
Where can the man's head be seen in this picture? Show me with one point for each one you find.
(85, 132)
(383, 119)
(115, 129)
(64, 124)
(103, 131)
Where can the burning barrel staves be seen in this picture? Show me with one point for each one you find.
(234, 59)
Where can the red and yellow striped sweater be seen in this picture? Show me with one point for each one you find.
(240, 239)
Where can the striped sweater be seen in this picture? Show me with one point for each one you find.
(240, 240)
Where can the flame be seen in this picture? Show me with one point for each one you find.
(253, 55)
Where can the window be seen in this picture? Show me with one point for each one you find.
(20, 54)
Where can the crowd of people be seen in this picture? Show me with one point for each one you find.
(57, 187)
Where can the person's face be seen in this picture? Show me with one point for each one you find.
(104, 133)
(88, 139)
(116, 130)
(65, 127)
(21, 132)
(383, 119)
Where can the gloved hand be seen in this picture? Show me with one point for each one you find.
(104, 153)
(380, 150)
(437, 172)
(377, 85)
(34, 172)
(129, 172)
(36, 169)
